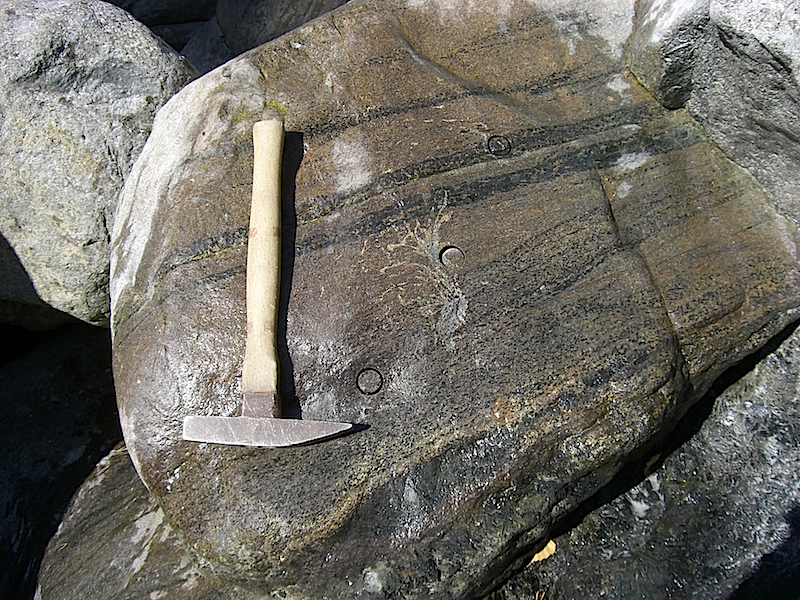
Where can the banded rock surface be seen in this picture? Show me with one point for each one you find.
(719, 517)
(681, 528)
(735, 66)
(500, 253)
(115, 544)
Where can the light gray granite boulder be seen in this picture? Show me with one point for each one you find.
(80, 83)
(735, 65)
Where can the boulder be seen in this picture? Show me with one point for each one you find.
(207, 49)
(732, 480)
(178, 34)
(80, 84)
(501, 254)
(736, 67)
(57, 419)
(115, 544)
(719, 517)
(239, 26)
(19, 302)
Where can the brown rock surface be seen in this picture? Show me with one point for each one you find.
(609, 263)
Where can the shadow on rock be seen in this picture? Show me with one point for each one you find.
(57, 419)
(778, 573)
(711, 508)
(20, 305)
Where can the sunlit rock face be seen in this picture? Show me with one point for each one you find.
(716, 515)
(80, 84)
(734, 65)
(500, 253)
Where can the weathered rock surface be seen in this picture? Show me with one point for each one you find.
(735, 65)
(80, 83)
(57, 419)
(680, 529)
(609, 264)
(19, 302)
(719, 518)
(115, 544)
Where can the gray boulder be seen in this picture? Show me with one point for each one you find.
(615, 263)
(718, 519)
(207, 48)
(80, 83)
(114, 543)
(19, 302)
(734, 65)
(239, 26)
(177, 34)
(57, 419)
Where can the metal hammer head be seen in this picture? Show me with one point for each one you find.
(261, 431)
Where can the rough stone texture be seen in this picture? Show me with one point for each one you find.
(734, 480)
(80, 83)
(57, 419)
(736, 66)
(19, 302)
(614, 264)
(115, 544)
(250, 23)
(719, 518)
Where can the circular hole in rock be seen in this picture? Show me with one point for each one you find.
(452, 257)
(369, 381)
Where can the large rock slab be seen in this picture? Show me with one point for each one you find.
(80, 83)
(681, 528)
(735, 65)
(501, 254)
(718, 519)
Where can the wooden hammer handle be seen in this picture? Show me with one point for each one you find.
(260, 368)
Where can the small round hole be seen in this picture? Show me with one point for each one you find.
(452, 257)
(498, 145)
(369, 381)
